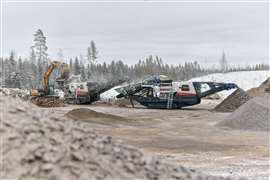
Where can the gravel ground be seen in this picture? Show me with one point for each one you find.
(39, 146)
(253, 115)
(232, 102)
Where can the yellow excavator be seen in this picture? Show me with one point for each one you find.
(46, 96)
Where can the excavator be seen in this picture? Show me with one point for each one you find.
(46, 96)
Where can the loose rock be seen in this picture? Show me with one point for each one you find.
(233, 101)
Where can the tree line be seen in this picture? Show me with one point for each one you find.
(28, 72)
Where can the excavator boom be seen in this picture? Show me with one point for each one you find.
(55, 64)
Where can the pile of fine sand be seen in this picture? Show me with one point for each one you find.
(39, 146)
(253, 115)
(233, 101)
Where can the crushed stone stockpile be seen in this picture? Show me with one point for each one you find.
(233, 101)
(253, 115)
(262, 90)
(38, 146)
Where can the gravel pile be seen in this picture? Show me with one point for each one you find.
(233, 101)
(38, 146)
(253, 115)
(262, 90)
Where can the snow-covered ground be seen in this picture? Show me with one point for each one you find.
(244, 79)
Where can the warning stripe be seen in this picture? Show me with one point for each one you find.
(185, 94)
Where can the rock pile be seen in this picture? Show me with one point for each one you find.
(233, 101)
(39, 146)
(253, 115)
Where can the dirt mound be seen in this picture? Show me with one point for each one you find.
(88, 115)
(253, 115)
(47, 101)
(233, 101)
(262, 90)
(38, 146)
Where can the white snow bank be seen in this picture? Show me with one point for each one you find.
(244, 79)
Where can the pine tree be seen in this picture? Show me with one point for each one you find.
(88, 72)
(71, 65)
(40, 49)
(34, 75)
(12, 62)
(89, 55)
(76, 66)
(12, 73)
(81, 59)
(82, 72)
(94, 51)
(33, 56)
(223, 63)
(20, 65)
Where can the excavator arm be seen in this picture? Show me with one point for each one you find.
(54, 65)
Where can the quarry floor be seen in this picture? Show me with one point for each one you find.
(187, 136)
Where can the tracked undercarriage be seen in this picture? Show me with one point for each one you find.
(47, 101)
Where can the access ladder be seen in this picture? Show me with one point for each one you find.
(170, 99)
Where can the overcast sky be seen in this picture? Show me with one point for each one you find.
(175, 31)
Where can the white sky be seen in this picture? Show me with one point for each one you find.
(130, 31)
